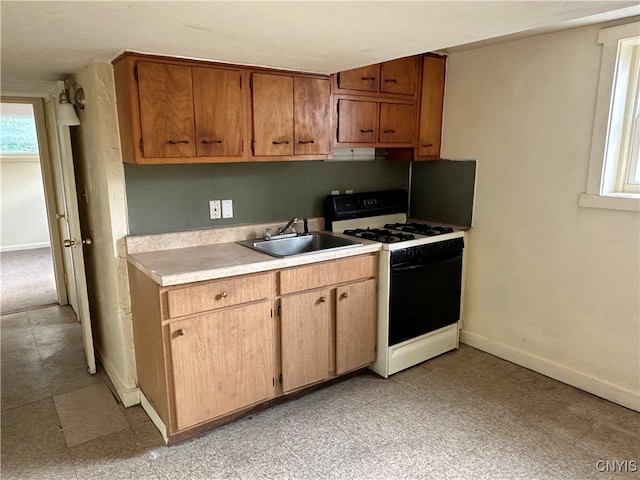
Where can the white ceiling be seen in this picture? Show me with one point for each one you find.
(47, 41)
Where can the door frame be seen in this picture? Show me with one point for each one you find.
(50, 190)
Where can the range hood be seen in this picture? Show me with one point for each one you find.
(352, 154)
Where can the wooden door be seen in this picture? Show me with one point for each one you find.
(312, 126)
(305, 330)
(166, 110)
(218, 112)
(221, 362)
(431, 102)
(397, 122)
(400, 76)
(357, 121)
(272, 114)
(356, 325)
(366, 79)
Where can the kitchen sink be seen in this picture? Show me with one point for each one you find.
(299, 245)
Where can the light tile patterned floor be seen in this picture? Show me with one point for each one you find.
(463, 415)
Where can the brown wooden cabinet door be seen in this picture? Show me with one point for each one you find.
(311, 107)
(397, 122)
(166, 110)
(356, 325)
(357, 121)
(430, 123)
(365, 79)
(399, 76)
(221, 362)
(305, 330)
(272, 114)
(218, 112)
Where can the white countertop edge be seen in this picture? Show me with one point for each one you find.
(269, 263)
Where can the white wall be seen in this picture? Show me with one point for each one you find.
(551, 285)
(102, 202)
(23, 214)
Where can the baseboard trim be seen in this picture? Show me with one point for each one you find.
(554, 370)
(26, 246)
(129, 396)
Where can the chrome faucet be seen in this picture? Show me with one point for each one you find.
(282, 230)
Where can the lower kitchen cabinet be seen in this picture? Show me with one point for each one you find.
(221, 362)
(329, 329)
(356, 325)
(305, 321)
(207, 352)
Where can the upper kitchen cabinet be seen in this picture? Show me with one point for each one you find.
(399, 76)
(431, 103)
(165, 93)
(218, 112)
(375, 106)
(176, 111)
(291, 117)
(396, 77)
(365, 79)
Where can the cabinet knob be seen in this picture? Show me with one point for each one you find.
(322, 300)
(427, 145)
(304, 142)
(283, 142)
(206, 142)
(175, 142)
(344, 295)
(389, 131)
(366, 131)
(368, 78)
(223, 295)
(390, 80)
(180, 332)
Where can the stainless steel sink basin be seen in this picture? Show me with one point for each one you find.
(299, 245)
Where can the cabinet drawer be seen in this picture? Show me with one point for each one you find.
(218, 294)
(327, 273)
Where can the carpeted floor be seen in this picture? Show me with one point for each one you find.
(26, 280)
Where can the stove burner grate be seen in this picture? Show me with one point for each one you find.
(379, 235)
(419, 228)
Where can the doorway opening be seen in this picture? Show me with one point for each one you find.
(27, 278)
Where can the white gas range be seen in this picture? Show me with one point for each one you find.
(420, 276)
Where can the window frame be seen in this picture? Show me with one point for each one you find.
(595, 195)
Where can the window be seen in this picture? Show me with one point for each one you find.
(614, 169)
(18, 129)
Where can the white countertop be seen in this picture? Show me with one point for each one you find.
(207, 262)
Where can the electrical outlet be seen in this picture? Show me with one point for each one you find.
(227, 208)
(348, 191)
(335, 192)
(215, 212)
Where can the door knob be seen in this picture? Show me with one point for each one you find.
(72, 242)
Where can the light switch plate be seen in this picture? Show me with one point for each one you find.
(215, 211)
(227, 208)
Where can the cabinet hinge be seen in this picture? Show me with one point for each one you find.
(142, 145)
(280, 379)
(135, 72)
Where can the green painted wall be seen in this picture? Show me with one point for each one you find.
(442, 191)
(167, 198)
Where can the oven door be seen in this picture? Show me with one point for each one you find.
(425, 291)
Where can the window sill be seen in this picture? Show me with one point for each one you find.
(610, 202)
